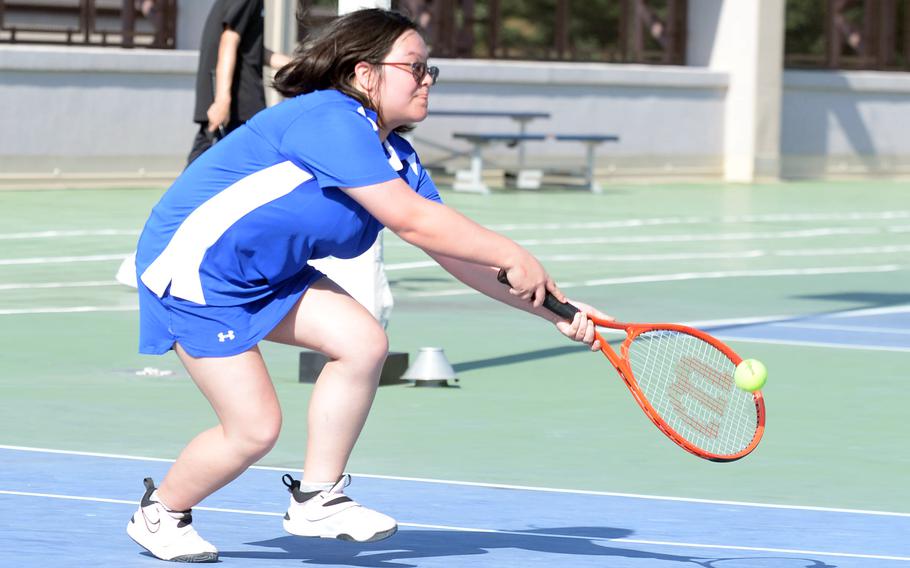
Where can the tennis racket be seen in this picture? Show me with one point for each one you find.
(682, 378)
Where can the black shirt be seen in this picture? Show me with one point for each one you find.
(247, 93)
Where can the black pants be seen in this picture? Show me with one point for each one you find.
(205, 139)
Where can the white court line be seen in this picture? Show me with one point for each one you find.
(682, 256)
(705, 324)
(853, 328)
(655, 221)
(61, 259)
(71, 310)
(657, 278)
(691, 276)
(53, 285)
(497, 485)
(873, 312)
(505, 532)
(850, 346)
(57, 234)
(692, 220)
(702, 236)
(784, 317)
(393, 267)
(688, 238)
(844, 251)
(410, 265)
(604, 258)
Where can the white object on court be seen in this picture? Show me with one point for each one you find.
(126, 274)
(430, 368)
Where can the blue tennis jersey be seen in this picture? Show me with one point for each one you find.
(245, 217)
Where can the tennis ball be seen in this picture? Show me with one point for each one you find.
(750, 375)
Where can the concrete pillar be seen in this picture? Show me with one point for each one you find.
(744, 38)
(281, 25)
(280, 35)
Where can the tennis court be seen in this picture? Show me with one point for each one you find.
(540, 456)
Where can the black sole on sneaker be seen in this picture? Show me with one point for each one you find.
(378, 536)
(194, 558)
(197, 558)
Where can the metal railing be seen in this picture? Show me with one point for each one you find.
(114, 23)
(629, 31)
(848, 34)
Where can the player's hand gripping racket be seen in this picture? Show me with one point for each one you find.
(682, 378)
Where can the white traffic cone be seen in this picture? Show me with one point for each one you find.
(430, 368)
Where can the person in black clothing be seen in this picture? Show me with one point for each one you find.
(229, 87)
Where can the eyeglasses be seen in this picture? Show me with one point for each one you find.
(419, 69)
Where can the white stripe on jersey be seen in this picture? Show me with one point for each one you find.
(396, 162)
(178, 264)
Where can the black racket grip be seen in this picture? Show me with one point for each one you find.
(564, 310)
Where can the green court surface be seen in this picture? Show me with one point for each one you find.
(531, 408)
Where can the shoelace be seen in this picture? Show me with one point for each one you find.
(342, 482)
(294, 484)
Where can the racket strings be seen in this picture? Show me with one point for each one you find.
(689, 382)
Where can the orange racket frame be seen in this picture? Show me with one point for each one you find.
(621, 363)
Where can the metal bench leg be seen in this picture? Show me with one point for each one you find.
(472, 180)
(589, 172)
(525, 178)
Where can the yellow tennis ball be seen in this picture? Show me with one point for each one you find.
(750, 375)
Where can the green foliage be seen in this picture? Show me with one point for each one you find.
(528, 29)
(805, 28)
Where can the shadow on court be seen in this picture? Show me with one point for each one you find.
(866, 300)
(412, 545)
(516, 358)
(527, 356)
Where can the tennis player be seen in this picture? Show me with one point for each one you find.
(223, 264)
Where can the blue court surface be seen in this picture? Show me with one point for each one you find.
(71, 509)
(885, 329)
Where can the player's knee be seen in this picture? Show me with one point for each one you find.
(375, 346)
(258, 435)
(366, 346)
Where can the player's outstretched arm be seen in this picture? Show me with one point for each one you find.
(484, 280)
(438, 229)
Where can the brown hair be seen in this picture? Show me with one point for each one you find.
(326, 59)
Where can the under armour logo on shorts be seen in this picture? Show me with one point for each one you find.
(223, 336)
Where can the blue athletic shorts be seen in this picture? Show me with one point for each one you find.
(215, 331)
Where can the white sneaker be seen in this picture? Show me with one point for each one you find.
(169, 535)
(332, 514)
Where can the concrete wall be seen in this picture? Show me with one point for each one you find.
(191, 15)
(669, 119)
(845, 123)
(77, 115)
(69, 114)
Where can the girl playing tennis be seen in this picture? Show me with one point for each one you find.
(223, 264)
